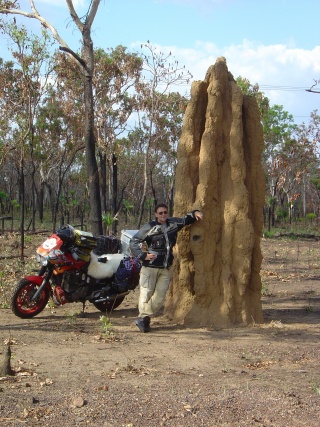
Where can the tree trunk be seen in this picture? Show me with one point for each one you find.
(144, 192)
(103, 175)
(40, 201)
(114, 192)
(91, 161)
(22, 207)
(34, 205)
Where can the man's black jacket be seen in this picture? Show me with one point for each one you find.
(160, 240)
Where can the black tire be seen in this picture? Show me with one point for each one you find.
(108, 306)
(21, 303)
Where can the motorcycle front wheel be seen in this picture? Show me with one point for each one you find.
(108, 306)
(21, 301)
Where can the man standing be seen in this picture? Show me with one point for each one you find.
(153, 245)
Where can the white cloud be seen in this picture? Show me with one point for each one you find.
(283, 73)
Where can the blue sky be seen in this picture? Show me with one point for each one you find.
(275, 43)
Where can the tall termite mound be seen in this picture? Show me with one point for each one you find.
(216, 275)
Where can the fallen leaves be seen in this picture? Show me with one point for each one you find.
(262, 364)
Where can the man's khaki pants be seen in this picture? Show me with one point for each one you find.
(154, 283)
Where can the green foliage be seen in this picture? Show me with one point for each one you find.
(282, 214)
(107, 328)
(253, 90)
(264, 290)
(3, 196)
(107, 219)
(271, 201)
(316, 388)
(268, 234)
(311, 216)
(72, 318)
(127, 205)
(15, 204)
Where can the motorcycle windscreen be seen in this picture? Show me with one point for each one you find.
(53, 242)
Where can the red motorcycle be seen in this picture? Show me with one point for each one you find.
(77, 267)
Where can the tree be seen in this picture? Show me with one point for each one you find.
(22, 92)
(160, 75)
(308, 137)
(116, 74)
(278, 127)
(253, 90)
(86, 67)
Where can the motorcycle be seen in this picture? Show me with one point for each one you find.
(76, 267)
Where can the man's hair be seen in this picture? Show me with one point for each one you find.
(160, 205)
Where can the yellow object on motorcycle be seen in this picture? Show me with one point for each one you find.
(84, 239)
(84, 254)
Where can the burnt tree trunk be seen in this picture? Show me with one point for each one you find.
(114, 192)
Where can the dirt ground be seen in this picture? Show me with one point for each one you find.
(73, 371)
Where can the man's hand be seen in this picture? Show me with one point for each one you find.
(150, 257)
(198, 215)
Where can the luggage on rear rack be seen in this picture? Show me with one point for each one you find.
(107, 245)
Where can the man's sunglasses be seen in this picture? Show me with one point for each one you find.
(162, 213)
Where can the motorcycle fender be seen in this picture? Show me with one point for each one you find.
(36, 279)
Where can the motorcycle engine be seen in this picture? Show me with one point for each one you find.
(76, 284)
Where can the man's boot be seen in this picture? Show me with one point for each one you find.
(143, 323)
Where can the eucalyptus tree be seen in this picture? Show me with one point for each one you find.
(60, 141)
(131, 169)
(117, 72)
(161, 75)
(250, 89)
(308, 137)
(6, 146)
(7, 80)
(23, 91)
(115, 76)
(295, 163)
(279, 128)
(163, 155)
(85, 63)
(290, 156)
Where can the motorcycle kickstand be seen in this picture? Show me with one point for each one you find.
(82, 314)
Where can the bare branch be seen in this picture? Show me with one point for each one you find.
(72, 53)
(90, 18)
(92, 13)
(46, 24)
(36, 15)
(313, 91)
(74, 15)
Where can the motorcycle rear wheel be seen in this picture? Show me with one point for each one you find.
(21, 303)
(108, 306)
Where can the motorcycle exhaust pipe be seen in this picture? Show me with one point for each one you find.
(111, 297)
